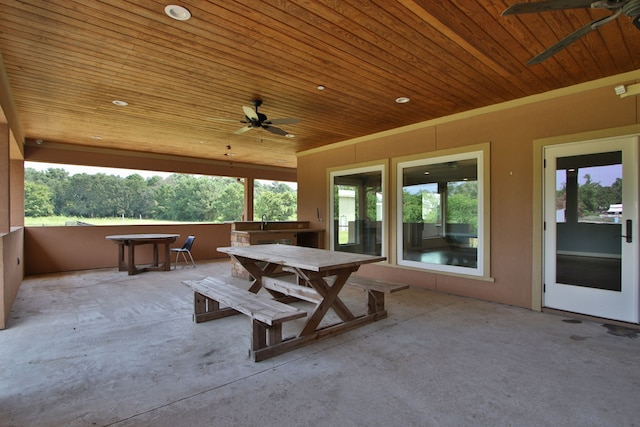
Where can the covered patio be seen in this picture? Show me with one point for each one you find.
(100, 347)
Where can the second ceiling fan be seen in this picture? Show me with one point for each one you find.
(630, 8)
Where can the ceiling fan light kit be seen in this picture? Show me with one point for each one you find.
(629, 8)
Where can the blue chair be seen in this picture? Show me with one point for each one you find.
(186, 248)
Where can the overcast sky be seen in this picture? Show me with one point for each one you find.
(74, 169)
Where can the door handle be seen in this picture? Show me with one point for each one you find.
(629, 235)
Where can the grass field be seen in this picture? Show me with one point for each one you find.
(53, 221)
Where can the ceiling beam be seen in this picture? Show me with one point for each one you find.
(453, 36)
(8, 105)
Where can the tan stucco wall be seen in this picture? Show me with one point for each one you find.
(59, 249)
(11, 248)
(11, 220)
(510, 130)
(16, 212)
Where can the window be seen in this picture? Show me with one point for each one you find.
(357, 209)
(441, 213)
(589, 188)
(58, 195)
(274, 200)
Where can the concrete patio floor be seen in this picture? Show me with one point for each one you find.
(100, 348)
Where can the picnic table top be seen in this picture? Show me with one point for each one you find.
(305, 258)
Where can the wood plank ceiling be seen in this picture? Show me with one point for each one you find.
(186, 81)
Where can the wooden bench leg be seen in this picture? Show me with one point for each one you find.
(265, 335)
(208, 309)
(375, 303)
(259, 335)
(200, 303)
(274, 334)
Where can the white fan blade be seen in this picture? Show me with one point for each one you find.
(250, 112)
(243, 130)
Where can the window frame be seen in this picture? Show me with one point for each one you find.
(332, 173)
(481, 153)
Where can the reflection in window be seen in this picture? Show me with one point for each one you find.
(589, 192)
(441, 203)
(588, 220)
(358, 206)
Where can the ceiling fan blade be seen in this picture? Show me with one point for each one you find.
(284, 121)
(276, 130)
(543, 6)
(243, 130)
(251, 113)
(549, 52)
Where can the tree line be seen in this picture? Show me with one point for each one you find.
(53, 192)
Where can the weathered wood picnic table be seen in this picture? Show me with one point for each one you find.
(319, 277)
(130, 241)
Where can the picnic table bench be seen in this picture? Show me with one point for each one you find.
(267, 315)
(376, 290)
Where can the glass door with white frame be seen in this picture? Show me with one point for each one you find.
(591, 230)
(357, 209)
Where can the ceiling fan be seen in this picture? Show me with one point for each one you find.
(254, 119)
(630, 8)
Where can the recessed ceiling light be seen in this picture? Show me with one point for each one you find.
(177, 12)
(120, 103)
(98, 137)
(321, 87)
(402, 100)
(282, 161)
(290, 135)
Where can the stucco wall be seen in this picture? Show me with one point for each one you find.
(11, 247)
(59, 249)
(510, 132)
